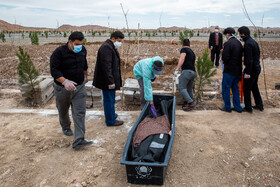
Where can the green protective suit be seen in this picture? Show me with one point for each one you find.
(143, 69)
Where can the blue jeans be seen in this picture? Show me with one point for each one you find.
(231, 82)
(109, 106)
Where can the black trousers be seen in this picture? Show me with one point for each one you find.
(215, 54)
(251, 85)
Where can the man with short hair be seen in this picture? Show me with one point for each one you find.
(145, 72)
(107, 75)
(215, 45)
(232, 60)
(252, 70)
(68, 66)
(188, 74)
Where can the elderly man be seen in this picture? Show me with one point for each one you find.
(215, 45)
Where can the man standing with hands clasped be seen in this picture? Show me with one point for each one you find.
(215, 45)
(107, 75)
(68, 66)
(252, 70)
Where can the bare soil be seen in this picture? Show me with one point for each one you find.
(211, 148)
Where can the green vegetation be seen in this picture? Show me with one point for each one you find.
(27, 74)
(34, 38)
(204, 73)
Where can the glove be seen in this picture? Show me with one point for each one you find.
(69, 85)
(176, 72)
(154, 111)
(85, 79)
(153, 79)
(112, 86)
(246, 76)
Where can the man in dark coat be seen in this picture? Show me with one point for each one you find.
(107, 75)
(232, 59)
(215, 45)
(251, 71)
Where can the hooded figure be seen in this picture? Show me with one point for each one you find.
(145, 72)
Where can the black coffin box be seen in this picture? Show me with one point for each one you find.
(149, 172)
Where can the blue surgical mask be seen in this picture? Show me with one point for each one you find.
(77, 48)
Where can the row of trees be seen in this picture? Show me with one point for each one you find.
(34, 36)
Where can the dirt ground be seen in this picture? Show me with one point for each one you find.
(211, 148)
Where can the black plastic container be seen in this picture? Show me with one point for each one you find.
(149, 172)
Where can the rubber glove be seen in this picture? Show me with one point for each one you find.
(246, 76)
(154, 111)
(176, 72)
(112, 86)
(69, 85)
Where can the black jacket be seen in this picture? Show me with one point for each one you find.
(232, 57)
(66, 63)
(251, 56)
(107, 68)
(212, 41)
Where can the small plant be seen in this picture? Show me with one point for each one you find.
(191, 33)
(93, 33)
(64, 34)
(181, 37)
(46, 34)
(22, 35)
(2, 35)
(27, 74)
(85, 41)
(34, 38)
(255, 35)
(204, 73)
(197, 33)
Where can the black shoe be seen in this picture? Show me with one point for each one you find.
(82, 143)
(260, 108)
(117, 123)
(116, 116)
(67, 132)
(224, 110)
(247, 110)
(239, 111)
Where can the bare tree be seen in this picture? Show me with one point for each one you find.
(260, 41)
(128, 48)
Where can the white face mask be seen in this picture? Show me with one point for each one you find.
(216, 30)
(117, 44)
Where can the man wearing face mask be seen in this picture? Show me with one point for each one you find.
(252, 71)
(68, 66)
(215, 45)
(107, 75)
(145, 72)
(232, 60)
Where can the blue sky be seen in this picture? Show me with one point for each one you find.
(182, 13)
